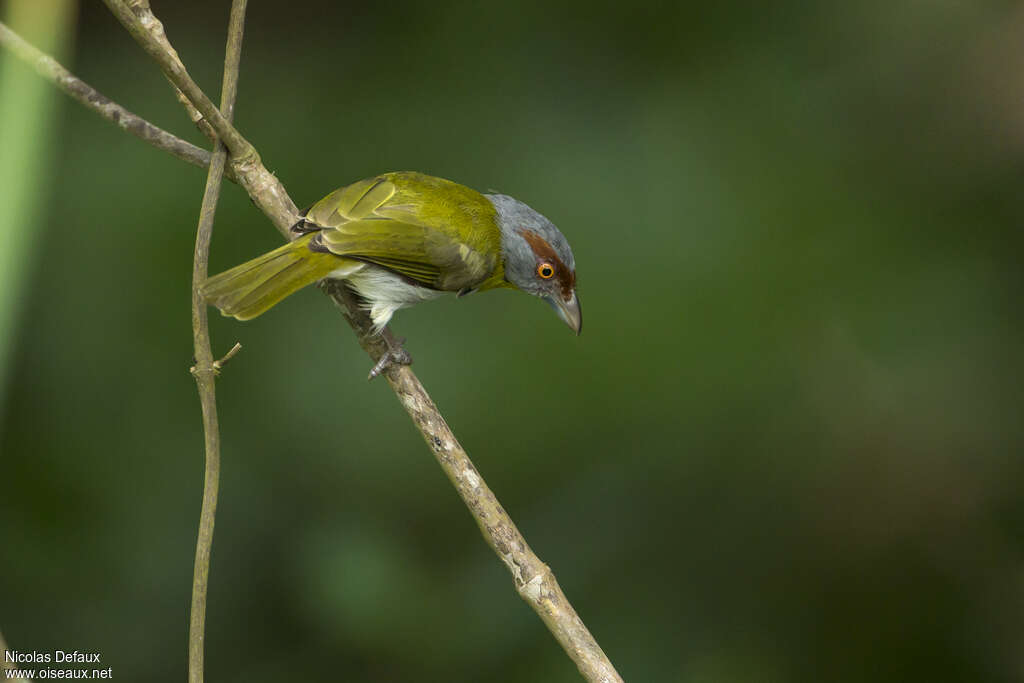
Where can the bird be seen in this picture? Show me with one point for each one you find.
(405, 237)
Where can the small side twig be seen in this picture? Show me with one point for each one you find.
(218, 364)
(206, 368)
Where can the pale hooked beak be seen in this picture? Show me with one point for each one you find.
(569, 311)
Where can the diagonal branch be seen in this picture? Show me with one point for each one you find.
(205, 368)
(534, 581)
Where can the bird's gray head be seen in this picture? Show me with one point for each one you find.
(538, 259)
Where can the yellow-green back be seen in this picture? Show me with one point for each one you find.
(439, 233)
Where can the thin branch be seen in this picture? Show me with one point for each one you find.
(206, 368)
(533, 579)
(218, 364)
(47, 67)
(204, 373)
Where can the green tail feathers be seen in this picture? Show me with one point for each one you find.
(248, 290)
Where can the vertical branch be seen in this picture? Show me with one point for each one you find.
(206, 368)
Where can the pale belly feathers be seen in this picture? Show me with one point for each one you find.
(384, 291)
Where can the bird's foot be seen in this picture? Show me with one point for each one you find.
(395, 355)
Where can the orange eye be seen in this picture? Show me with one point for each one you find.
(546, 270)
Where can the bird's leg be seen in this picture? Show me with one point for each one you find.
(395, 355)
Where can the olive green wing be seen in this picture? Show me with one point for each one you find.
(431, 231)
(427, 256)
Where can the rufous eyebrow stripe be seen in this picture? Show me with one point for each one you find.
(545, 252)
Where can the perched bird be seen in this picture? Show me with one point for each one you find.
(402, 238)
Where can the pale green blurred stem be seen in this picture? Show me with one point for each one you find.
(27, 107)
(4, 664)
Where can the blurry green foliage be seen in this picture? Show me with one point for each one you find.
(785, 448)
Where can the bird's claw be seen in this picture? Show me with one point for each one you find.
(395, 355)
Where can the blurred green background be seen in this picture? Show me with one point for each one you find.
(785, 448)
